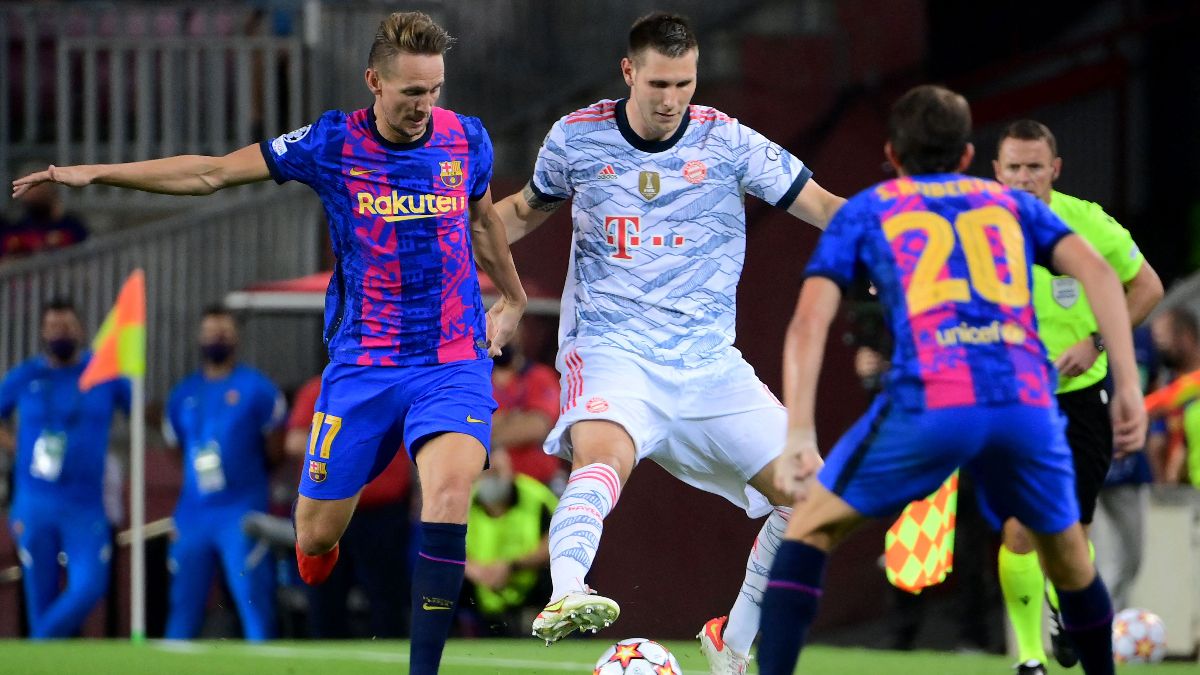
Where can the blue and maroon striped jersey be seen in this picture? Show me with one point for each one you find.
(950, 256)
(404, 291)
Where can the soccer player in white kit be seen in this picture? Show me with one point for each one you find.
(646, 335)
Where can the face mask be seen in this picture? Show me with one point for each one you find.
(63, 348)
(1170, 360)
(216, 352)
(493, 490)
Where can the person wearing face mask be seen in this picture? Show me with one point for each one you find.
(61, 441)
(222, 418)
(527, 394)
(508, 548)
(44, 224)
(406, 189)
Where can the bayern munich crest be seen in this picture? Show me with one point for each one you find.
(596, 405)
(695, 172)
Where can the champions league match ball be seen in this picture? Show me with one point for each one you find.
(1138, 637)
(637, 656)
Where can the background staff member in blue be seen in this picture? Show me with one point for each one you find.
(220, 417)
(61, 442)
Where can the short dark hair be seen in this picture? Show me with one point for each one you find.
(59, 304)
(929, 128)
(668, 34)
(408, 33)
(216, 309)
(1183, 320)
(1028, 130)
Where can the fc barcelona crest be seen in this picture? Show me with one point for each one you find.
(316, 471)
(452, 174)
(648, 184)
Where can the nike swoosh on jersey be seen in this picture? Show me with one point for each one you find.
(361, 172)
(429, 607)
(472, 420)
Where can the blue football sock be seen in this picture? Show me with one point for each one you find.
(437, 580)
(1087, 618)
(789, 606)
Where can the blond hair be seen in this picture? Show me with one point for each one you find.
(409, 33)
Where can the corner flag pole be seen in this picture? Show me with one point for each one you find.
(119, 350)
(137, 511)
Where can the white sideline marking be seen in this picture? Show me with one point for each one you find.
(272, 651)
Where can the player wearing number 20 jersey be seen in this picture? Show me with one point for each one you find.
(970, 386)
(951, 256)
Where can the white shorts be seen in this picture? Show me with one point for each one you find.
(713, 427)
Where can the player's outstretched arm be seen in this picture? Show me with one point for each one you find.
(179, 175)
(1073, 256)
(523, 212)
(815, 205)
(803, 350)
(493, 255)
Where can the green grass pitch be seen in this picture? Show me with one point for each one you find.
(469, 657)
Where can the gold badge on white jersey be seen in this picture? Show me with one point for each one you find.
(649, 185)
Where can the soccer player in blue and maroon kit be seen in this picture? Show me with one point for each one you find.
(970, 384)
(405, 189)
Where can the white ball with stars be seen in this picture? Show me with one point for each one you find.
(637, 656)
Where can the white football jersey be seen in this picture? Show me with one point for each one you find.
(659, 227)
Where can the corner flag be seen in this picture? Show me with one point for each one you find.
(919, 546)
(119, 349)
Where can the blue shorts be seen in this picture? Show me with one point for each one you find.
(1016, 454)
(367, 412)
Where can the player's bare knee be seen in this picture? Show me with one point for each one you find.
(1070, 575)
(1066, 559)
(446, 502)
(1016, 537)
(764, 483)
(315, 539)
(776, 497)
(602, 442)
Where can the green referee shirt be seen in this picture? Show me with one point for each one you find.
(510, 537)
(1063, 314)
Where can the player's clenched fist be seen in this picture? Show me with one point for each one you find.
(502, 320)
(1128, 419)
(798, 464)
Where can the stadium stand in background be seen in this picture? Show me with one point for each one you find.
(116, 81)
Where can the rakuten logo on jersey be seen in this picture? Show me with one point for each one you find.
(395, 206)
(623, 233)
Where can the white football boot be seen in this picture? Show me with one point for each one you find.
(721, 658)
(575, 611)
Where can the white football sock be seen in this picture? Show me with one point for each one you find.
(744, 617)
(578, 523)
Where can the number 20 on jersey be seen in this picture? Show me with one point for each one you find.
(931, 283)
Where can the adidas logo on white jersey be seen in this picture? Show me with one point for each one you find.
(607, 173)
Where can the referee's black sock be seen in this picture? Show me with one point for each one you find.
(789, 606)
(1087, 618)
(437, 581)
